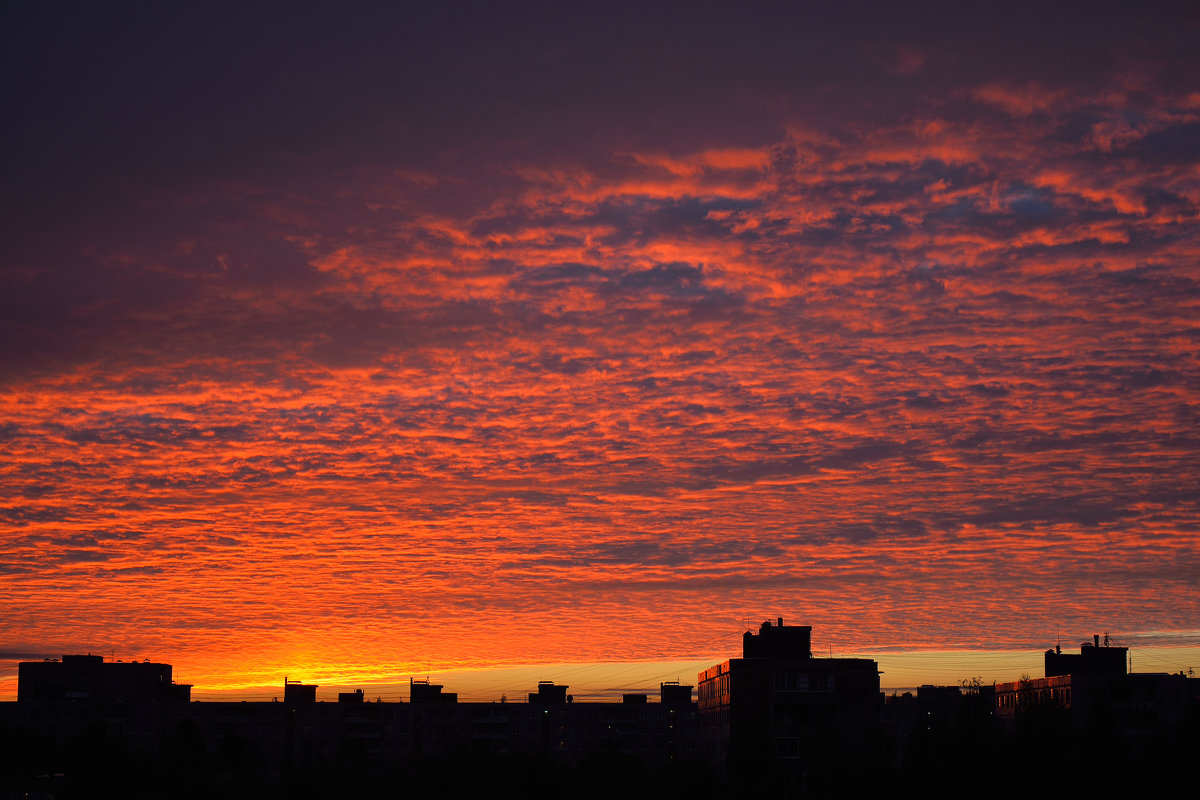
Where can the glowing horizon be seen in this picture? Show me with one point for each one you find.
(607, 681)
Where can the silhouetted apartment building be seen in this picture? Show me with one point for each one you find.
(549, 692)
(1067, 675)
(1091, 660)
(426, 692)
(777, 701)
(674, 692)
(1093, 690)
(299, 692)
(91, 678)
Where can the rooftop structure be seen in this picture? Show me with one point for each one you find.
(778, 702)
(426, 692)
(297, 692)
(1092, 659)
(674, 692)
(91, 678)
(550, 692)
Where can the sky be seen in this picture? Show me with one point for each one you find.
(357, 343)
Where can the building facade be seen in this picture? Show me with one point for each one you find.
(779, 702)
(89, 678)
(1093, 690)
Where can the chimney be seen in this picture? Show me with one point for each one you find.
(1096, 639)
(781, 622)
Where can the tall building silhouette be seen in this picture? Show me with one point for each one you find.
(1093, 689)
(91, 678)
(299, 692)
(778, 702)
(1092, 659)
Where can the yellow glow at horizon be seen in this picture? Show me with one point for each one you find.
(900, 670)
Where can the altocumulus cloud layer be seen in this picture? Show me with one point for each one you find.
(480, 337)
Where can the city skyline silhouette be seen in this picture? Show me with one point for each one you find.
(609, 681)
(777, 717)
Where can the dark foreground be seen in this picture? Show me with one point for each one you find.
(1044, 755)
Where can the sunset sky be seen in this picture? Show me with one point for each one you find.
(354, 344)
